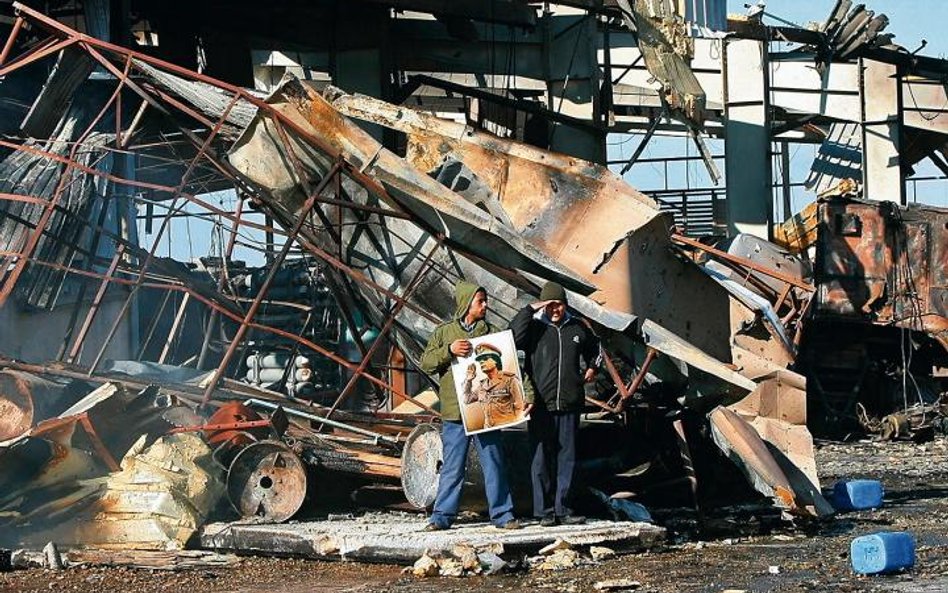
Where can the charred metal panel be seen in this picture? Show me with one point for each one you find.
(767, 468)
(668, 50)
(884, 265)
(71, 70)
(578, 212)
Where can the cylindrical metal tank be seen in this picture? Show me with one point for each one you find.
(26, 399)
(422, 461)
(267, 480)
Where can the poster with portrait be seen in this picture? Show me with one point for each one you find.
(489, 384)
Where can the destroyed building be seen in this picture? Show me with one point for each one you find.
(343, 164)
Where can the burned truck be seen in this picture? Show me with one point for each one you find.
(874, 350)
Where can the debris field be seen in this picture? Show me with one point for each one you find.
(255, 417)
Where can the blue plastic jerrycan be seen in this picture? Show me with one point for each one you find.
(853, 495)
(879, 553)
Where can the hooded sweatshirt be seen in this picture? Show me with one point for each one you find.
(437, 357)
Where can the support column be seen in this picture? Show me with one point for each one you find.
(358, 63)
(881, 132)
(747, 138)
(572, 73)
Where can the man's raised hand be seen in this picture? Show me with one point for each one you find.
(460, 348)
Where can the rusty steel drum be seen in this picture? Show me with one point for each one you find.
(267, 480)
(227, 443)
(421, 465)
(422, 458)
(26, 399)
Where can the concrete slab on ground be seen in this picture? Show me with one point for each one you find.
(386, 537)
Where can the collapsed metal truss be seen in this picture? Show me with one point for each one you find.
(135, 268)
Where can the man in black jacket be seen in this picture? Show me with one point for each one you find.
(555, 341)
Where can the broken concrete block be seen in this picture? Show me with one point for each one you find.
(22, 559)
(559, 544)
(54, 561)
(600, 553)
(467, 556)
(491, 563)
(450, 567)
(426, 566)
(561, 559)
(617, 585)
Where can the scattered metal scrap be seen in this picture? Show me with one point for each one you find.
(849, 31)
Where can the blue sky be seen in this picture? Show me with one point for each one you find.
(909, 20)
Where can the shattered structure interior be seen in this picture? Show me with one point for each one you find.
(281, 386)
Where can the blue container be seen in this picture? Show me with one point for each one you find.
(853, 495)
(883, 552)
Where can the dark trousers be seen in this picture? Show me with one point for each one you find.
(451, 482)
(553, 442)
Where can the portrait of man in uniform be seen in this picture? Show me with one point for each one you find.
(491, 390)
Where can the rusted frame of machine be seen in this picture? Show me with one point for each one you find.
(415, 282)
(744, 262)
(17, 26)
(336, 235)
(91, 43)
(400, 302)
(613, 372)
(43, 49)
(26, 255)
(228, 313)
(143, 268)
(637, 381)
(745, 266)
(178, 391)
(337, 238)
(234, 317)
(96, 303)
(624, 393)
(202, 148)
(228, 253)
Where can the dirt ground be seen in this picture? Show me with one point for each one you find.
(787, 559)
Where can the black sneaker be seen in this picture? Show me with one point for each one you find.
(572, 520)
(434, 527)
(548, 521)
(510, 525)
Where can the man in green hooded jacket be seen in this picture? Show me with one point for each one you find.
(449, 340)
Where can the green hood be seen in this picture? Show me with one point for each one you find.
(464, 293)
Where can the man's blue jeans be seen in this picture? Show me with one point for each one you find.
(489, 447)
